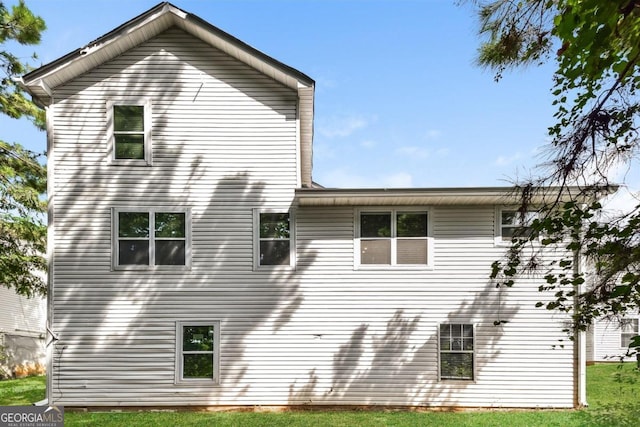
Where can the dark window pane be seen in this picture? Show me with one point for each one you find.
(445, 330)
(133, 224)
(456, 344)
(457, 366)
(445, 343)
(274, 252)
(133, 252)
(274, 225)
(129, 146)
(375, 251)
(412, 251)
(629, 330)
(128, 118)
(197, 338)
(412, 224)
(467, 331)
(509, 217)
(467, 344)
(375, 225)
(170, 252)
(197, 366)
(507, 233)
(170, 224)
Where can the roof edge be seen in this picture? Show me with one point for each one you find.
(161, 8)
(445, 195)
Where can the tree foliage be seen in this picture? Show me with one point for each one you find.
(595, 45)
(22, 176)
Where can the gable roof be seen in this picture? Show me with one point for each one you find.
(41, 82)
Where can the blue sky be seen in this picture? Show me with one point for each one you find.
(399, 100)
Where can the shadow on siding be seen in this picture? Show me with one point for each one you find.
(400, 366)
(117, 328)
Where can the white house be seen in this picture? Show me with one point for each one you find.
(608, 339)
(22, 333)
(193, 261)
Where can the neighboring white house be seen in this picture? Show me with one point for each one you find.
(193, 261)
(608, 339)
(22, 333)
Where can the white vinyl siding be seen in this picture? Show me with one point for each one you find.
(608, 339)
(225, 140)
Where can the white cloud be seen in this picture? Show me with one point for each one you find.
(368, 143)
(442, 151)
(432, 134)
(398, 180)
(413, 151)
(504, 160)
(341, 126)
(624, 200)
(344, 178)
(323, 151)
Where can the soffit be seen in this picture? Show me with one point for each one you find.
(432, 196)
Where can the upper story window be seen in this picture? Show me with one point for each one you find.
(273, 239)
(151, 238)
(394, 237)
(628, 330)
(129, 132)
(515, 225)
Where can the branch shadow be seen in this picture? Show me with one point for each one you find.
(117, 327)
(399, 367)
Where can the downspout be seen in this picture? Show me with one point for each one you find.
(52, 335)
(579, 343)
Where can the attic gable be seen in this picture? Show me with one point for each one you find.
(42, 82)
(144, 27)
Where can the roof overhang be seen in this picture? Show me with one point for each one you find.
(443, 196)
(42, 81)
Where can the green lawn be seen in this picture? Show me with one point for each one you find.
(612, 391)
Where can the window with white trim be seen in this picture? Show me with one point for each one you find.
(513, 224)
(198, 352)
(628, 330)
(129, 132)
(397, 237)
(145, 238)
(273, 239)
(457, 358)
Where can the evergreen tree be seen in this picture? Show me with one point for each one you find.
(22, 176)
(595, 45)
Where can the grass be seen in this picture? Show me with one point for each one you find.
(612, 391)
(24, 391)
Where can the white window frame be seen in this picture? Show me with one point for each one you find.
(625, 337)
(151, 211)
(179, 363)
(472, 352)
(499, 241)
(111, 141)
(393, 211)
(257, 239)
